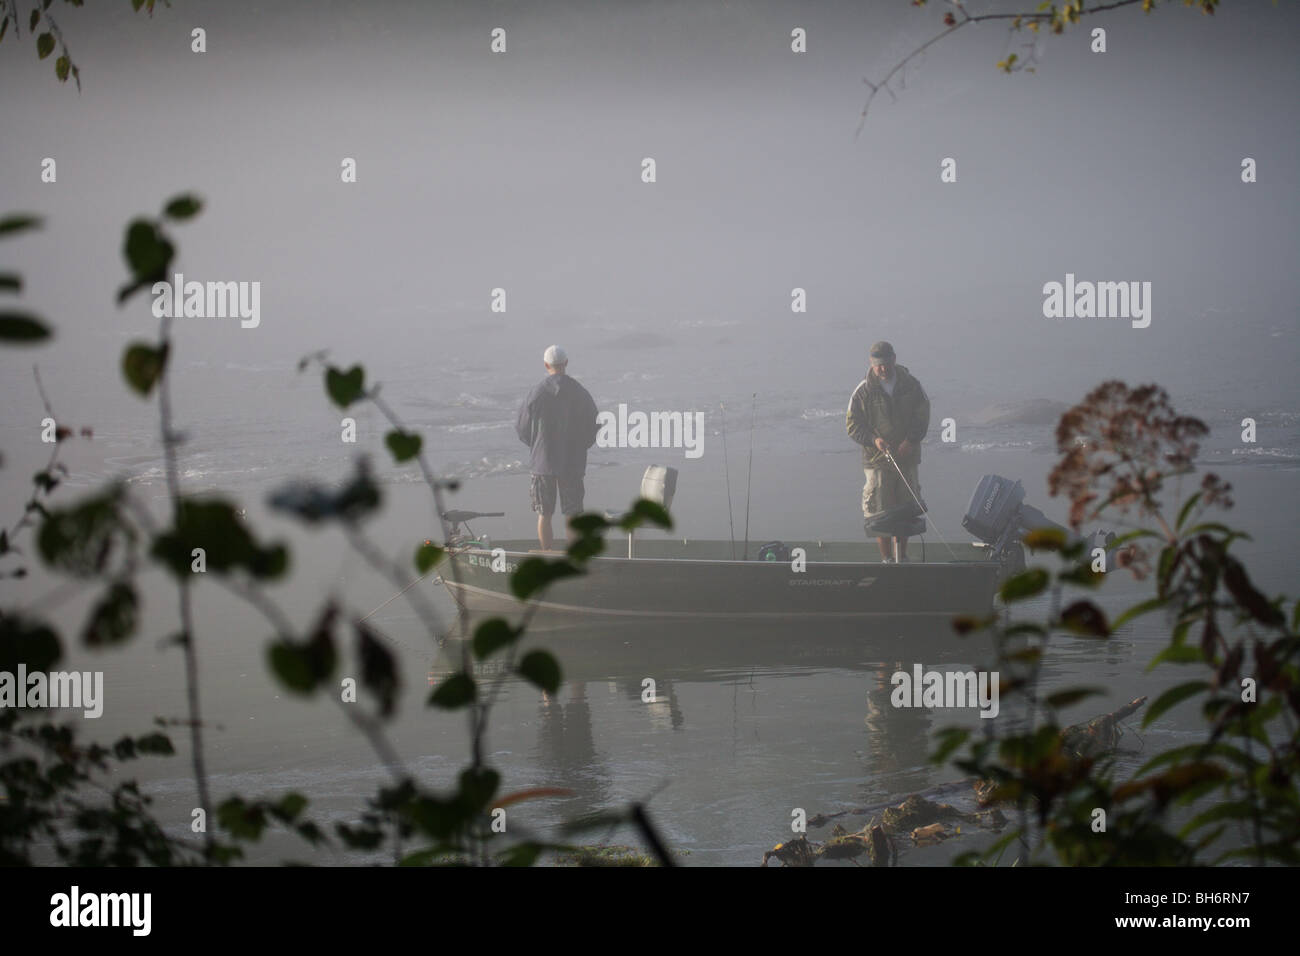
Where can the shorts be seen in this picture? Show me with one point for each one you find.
(543, 490)
(884, 489)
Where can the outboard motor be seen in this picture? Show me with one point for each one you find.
(999, 517)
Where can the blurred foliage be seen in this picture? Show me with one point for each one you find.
(1118, 449)
(54, 794)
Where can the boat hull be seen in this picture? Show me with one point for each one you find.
(663, 586)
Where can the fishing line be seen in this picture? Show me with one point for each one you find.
(920, 505)
(726, 470)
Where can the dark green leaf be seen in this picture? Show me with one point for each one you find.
(81, 540)
(378, 669)
(146, 249)
(113, 619)
(949, 740)
(1044, 539)
(477, 788)
(143, 366)
(1185, 510)
(19, 223)
(403, 445)
(492, 635)
(304, 666)
(61, 66)
(155, 743)
(542, 670)
(28, 643)
(426, 556)
(645, 511)
(1248, 598)
(533, 574)
(22, 327)
(344, 388)
(227, 545)
(1171, 697)
(1082, 575)
(1138, 610)
(290, 806)
(183, 207)
(11, 281)
(521, 854)
(313, 503)
(1086, 619)
(454, 692)
(1177, 654)
(588, 523)
(1024, 585)
(34, 19)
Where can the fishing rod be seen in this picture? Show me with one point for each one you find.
(750, 476)
(920, 504)
(726, 470)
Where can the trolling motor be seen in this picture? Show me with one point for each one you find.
(999, 517)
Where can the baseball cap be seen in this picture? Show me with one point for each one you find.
(882, 350)
(555, 356)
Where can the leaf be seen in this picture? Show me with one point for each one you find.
(492, 635)
(33, 20)
(378, 669)
(533, 574)
(542, 670)
(950, 739)
(645, 511)
(426, 556)
(304, 666)
(81, 539)
(28, 643)
(403, 445)
(344, 388)
(1138, 610)
(477, 788)
(22, 327)
(1171, 697)
(1044, 539)
(314, 503)
(1024, 585)
(11, 282)
(1248, 598)
(454, 692)
(113, 619)
(1086, 619)
(143, 365)
(19, 223)
(61, 66)
(227, 544)
(148, 253)
(1177, 654)
(588, 523)
(521, 854)
(155, 743)
(1186, 510)
(183, 207)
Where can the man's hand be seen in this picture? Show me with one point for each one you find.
(882, 444)
(905, 450)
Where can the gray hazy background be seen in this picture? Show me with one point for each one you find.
(522, 171)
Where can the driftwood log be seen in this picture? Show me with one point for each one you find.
(925, 821)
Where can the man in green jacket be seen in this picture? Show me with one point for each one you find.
(888, 412)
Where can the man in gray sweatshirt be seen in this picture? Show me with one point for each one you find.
(558, 422)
